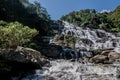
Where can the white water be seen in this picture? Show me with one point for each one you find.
(96, 38)
(66, 70)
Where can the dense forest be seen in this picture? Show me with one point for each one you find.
(30, 14)
(108, 21)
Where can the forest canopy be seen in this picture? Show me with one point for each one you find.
(108, 21)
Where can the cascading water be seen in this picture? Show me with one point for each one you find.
(66, 70)
(89, 39)
(100, 39)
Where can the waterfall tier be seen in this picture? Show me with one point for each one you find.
(91, 38)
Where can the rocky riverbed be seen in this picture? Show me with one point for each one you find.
(28, 64)
(95, 56)
(67, 70)
(103, 66)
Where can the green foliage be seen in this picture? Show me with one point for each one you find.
(115, 29)
(83, 18)
(41, 11)
(115, 18)
(92, 19)
(70, 41)
(14, 34)
(30, 14)
(3, 23)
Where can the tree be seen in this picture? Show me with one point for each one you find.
(41, 11)
(83, 18)
(93, 19)
(14, 34)
(70, 41)
(115, 18)
(30, 14)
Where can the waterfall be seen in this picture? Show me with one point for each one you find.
(63, 69)
(100, 38)
(66, 70)
(88, 40)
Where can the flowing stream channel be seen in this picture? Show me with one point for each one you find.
(61, 69)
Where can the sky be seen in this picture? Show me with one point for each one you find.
(58, 8)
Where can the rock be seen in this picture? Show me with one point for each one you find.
(59, 52)
(52, 51)
(96, 51)
(4, 71)
(23, 57)
(99, 59)
(106, 52)
(85, 60)
(14, 62)
(87, 41)
(21, 54)
(113, 55)
(100, 34)
(58, 39)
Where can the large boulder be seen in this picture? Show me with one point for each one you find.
(58, 40)
(99, 59)
(113, 55)
(106, 52)
(13, 62)
(52, 51)
(21, 54)
(58, 52)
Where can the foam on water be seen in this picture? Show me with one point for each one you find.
(66, 70)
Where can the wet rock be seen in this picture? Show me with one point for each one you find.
(106, 52)
(100, 34)
(58, 40)
(113, 55)
(85, 60)
(96, 51)
(99, 59)
(52, 51)
(87, 41)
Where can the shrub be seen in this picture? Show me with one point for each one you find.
(70, 41)
(115, 29)
(14, 34)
